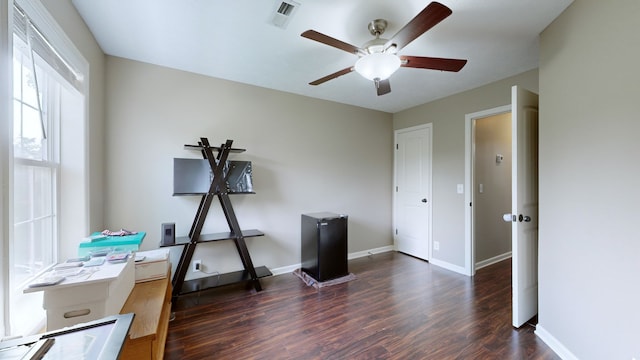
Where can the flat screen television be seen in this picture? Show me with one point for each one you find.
(194, 176)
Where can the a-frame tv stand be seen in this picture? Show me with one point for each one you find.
(217, 157)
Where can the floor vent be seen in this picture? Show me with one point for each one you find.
(284, 11)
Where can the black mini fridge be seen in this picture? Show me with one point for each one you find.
(324, 245)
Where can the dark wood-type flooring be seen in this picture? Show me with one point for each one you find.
(399, 307)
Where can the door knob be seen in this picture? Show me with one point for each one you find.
(424, 200)
(524, 218)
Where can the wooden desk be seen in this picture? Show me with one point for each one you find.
(151, 303)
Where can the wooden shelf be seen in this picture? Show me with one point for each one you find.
(228, 192)
(201, 147)
(189, 243)
(227, 235)
(212, 281)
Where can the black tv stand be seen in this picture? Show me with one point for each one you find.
(217, 157)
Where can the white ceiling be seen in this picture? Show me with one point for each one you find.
(235, 40)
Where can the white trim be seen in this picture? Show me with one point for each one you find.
(6, 151)
(88, 151)
(359, 254)
(379, 250)
(493, 260)
(285, 269)
(448, 266)
(554, 343)
(469, 145)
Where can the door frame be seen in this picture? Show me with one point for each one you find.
(395, 183)
(469, 151)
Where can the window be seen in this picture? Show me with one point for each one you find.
(48, 105)
(35, 168)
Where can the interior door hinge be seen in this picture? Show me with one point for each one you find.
(396, 146)
(396, 189)
(396, 231)
(470, 204)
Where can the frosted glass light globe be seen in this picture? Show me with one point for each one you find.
(377, 66)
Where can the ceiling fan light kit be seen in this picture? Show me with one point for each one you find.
(377, 63)
(378, 58)
(377, 66)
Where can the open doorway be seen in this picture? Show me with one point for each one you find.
(524, 199)
(491, 189)
(488, 184)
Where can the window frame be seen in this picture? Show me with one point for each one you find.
(73, 210)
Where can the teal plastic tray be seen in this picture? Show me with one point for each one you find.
(117, 243)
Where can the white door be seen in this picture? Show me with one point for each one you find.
(524, 209)
(413, 191)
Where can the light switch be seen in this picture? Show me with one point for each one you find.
(481, 188)
(460, 188)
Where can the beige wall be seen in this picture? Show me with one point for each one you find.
(492, 235)
(589, 244)
(448, 118)
(308, 155)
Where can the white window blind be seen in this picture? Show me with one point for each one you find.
(24, 28)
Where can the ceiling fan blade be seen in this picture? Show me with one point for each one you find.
(383, 86)
(425, 20)
(328, 40)
(422, 62)
(332, 76)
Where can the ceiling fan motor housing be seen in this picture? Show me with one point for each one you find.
(377, 27)
(375, 46)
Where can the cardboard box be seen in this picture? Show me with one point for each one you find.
(154, 266)
(100, 292)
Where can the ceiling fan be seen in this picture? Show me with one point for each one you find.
(378, 59)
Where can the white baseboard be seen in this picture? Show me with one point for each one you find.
(493, 260)
(449, 266)
(285, 269)
(554, 344)
(355, 255)
(379, 250)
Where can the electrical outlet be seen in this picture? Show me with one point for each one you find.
(436, 245)
(197, 265)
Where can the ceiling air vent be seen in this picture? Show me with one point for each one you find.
(284, 11)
